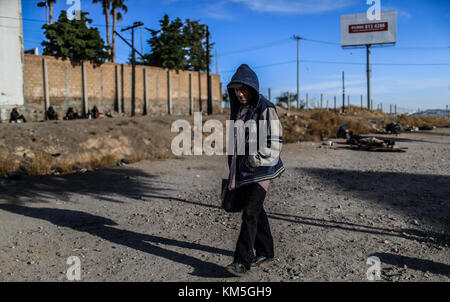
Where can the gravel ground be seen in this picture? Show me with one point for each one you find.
(331, 210)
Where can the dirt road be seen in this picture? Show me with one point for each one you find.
(160, 220)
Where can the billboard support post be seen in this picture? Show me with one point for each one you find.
(369, 71)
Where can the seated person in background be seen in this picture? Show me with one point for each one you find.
(71, 114)
(16, 116)
(51, 114)
(95, 113)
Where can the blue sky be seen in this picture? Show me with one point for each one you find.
(258, 33)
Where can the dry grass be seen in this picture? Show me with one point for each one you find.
(40, 164)
(7, 164)
(318, 125)
(420, 121)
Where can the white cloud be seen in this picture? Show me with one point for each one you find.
(217, 10)
(400, 12)
(295, 7)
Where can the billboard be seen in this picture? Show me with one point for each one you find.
(358, 30)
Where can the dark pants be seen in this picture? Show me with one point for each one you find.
(255, 231)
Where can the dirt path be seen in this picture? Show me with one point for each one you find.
(161, 221)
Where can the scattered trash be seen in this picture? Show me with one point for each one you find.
(374, 144)
(393, 128)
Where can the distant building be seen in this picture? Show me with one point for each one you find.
(433, 112)
(11, 56)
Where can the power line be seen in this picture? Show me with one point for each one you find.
(45, 22)
(345, 63)
(257, 47)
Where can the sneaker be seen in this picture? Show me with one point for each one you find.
(237, 269)
(260, 260)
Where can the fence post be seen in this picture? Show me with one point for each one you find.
(289, 101)
(84, 85)
(334, 104)
(306, 106)
(200, 91)
(46, 96)
(191, 103)
(117, 91)
(270, 98)
(145, 91)
(169, 93)
(321, 100)
(221, 96)
(361, 101)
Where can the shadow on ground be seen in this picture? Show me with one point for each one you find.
(104, 228)
(414, 263)
(417, 196)
(110, 184)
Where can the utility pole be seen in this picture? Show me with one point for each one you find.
(369, 71)
(42, 4)
(208, 77)
(343, 92)
(133, 65)
(298, 38)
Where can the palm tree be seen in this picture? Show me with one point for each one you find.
(106, 4)
(50, 9)
(117, 16)
(49, 4)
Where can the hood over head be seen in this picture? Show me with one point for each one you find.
(244, 75)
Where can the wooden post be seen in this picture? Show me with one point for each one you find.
(191, 103)
(221, 96)
(46, 95)
(289, 101)
(169, 94)
(122, 89)
(101, 89)
(200, 91)
(145, 91)
(84, 86)
(118, 107)
(321, 100)
(307, 98)
(334, 104)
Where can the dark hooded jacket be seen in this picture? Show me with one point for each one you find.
(266, 164)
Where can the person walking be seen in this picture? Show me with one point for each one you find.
(251, 173)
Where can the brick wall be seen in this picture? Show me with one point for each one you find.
(109, 88)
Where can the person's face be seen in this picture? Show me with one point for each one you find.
(243, 93)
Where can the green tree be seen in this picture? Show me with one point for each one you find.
(106, 5)
(178, 45)
(74, 40)
(195, 39)
(116, 6)
(168, 45)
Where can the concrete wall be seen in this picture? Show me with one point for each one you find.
(109, 88)
(11, 56)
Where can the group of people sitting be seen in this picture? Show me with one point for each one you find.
(51, 114)
(71, 114)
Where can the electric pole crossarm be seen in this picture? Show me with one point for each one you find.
(128, 43)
